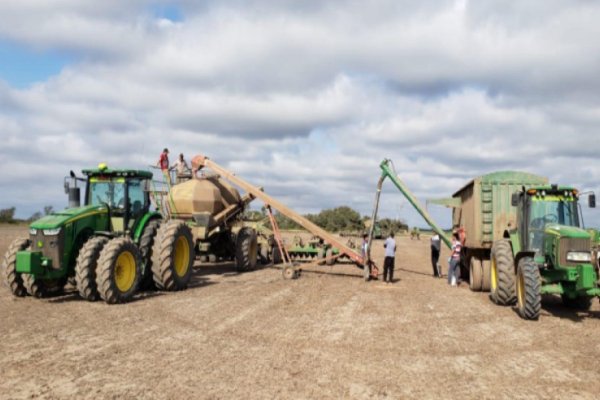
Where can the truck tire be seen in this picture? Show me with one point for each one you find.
(86, 267)
(475, 274)
(13, 279)
(146, 245)
(173, 256)
(119, 269)
(529, 298)
(329, 255)
(246, 250)
(578, 303)
(502, 275)
(485, 278)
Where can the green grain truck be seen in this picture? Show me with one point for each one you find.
(482, 208)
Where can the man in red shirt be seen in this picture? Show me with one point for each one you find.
(163, 164)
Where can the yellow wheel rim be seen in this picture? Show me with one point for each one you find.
(493, 276)
(125, 271)
(182, 256)
(520, 289)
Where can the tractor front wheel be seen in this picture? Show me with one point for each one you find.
(173, 256)
(529, 298)
(246, 250)
(502, 275)
(85, 268)
(13, 279)
(119, 270)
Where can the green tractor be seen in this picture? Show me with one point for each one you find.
(108, 247)
(547, 252)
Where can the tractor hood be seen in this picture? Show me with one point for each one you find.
(566, 231)
(61, 218)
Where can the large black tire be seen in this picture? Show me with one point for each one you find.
(276, 255)
(486, 265)
(119, 269)
(13, 279)
(475, 274)
(502, 280)
(329, 255)
(173, 256)
(85, 268)
(578, 303)
(246, 250)
(529, 298)
(264, 254)
(146, 247)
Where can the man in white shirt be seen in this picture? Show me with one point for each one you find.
(390, 255)
(183, 171)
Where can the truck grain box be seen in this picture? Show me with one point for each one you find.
(483, 209)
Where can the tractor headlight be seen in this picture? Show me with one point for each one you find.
(51, 232)
(579, 256)
(32, 231)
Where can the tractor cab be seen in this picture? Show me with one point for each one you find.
(549, 213)
(123, 191)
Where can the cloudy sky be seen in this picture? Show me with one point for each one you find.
(302, 97)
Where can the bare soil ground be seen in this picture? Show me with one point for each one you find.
(326, 335)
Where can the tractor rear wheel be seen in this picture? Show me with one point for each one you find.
(529, 298)
(502, 275)
(329, 255)
(173, 256)
(246, 250)
(119, 269)
(475, 272)
(485, 279)
(13, 279)
(86, 266)
(146, 245)
(579, 303)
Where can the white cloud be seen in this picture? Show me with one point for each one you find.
(306, 98)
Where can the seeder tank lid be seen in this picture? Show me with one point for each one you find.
(104, 170)
(506, 177)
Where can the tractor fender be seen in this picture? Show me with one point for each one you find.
(143, 222)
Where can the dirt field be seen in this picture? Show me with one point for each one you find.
(326, 335)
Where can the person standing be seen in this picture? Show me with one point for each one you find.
(390, 255)
(454, 260)
(364, 246)
(163, 164)
(435, 254)
(182, 169)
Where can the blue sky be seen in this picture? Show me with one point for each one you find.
(22, 66)
(302, 98)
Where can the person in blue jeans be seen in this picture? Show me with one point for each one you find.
(454, 260)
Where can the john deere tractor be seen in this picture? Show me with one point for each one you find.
(108, 246)
(547, 252)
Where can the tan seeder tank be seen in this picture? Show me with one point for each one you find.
(205, 195)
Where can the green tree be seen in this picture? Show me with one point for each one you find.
(7, 215)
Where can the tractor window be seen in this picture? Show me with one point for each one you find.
(107, 191)
(137, 198)
(549, 210)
